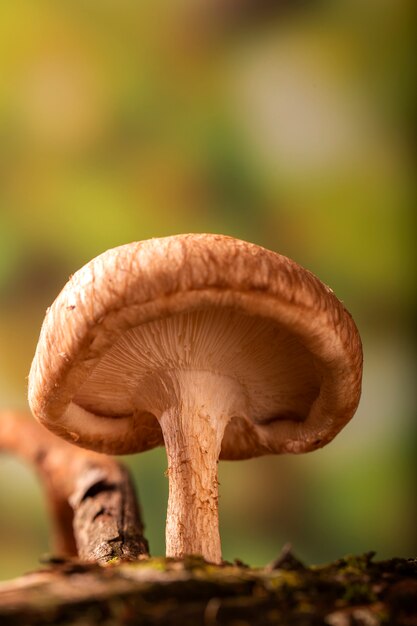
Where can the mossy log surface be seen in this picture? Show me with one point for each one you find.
(353, 591)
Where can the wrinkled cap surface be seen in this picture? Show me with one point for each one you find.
(141, 320)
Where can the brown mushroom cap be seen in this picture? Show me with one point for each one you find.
(204, 302)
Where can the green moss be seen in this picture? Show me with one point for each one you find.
(123, 595)
(115, 560)
(283, 578)
(356, 563)
(157, 564)
(359, 593)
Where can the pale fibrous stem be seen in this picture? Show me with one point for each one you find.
(193, 429)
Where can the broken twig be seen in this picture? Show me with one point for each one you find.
(91, 497)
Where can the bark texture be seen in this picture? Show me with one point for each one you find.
(90, 496)
(354, 591)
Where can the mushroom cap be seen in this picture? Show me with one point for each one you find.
(129, 288)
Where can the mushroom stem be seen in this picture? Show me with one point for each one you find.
(193, 430)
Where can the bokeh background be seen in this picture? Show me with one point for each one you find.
(286, 123)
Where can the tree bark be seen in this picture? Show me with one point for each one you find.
(90, 496)
(354, 591)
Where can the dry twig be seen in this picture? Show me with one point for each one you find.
(91, 498)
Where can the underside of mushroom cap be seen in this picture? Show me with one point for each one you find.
(143, 320)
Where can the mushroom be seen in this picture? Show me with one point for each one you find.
(215, 347)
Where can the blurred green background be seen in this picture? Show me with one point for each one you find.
(285, 123)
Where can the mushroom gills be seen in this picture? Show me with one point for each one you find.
(267, 373)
